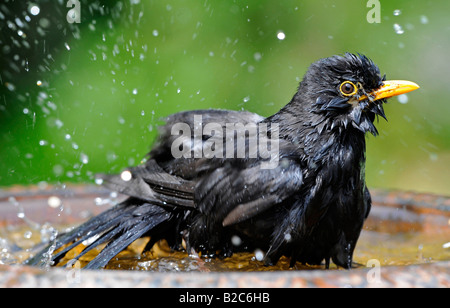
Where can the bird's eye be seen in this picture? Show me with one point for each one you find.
(348, 88)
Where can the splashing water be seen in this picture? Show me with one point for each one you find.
(398, 29)
(281, 35)
(35, 10)
(424, 20)
(403, 99)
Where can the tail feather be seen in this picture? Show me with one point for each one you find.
(44, 257)
(120, 226)
(153, 218)
(85, 233)
(104, 238)
(87, 227)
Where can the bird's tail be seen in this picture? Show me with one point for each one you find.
(118, 227)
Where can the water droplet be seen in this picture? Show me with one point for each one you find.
(257, 56)
(178, 90)
(259, 254)
(424, 20)
(58, 170)
(48, 233)
(59, 123)
(44, 23)
(434, 157)
(67, 46)
(98, 201)
(13, 201)
(84, 158)
(143, 113)
(135, 91)
(397, 12)
(42, 185)
(39, 83)
(126, 176)
(155, 33)
(67, 137)
(402, 99)
(246, 99)
(27, 234)
(287, 237)
(43, 143)
(98, 181)
(10, 86)
(54, 202)
(236, 240)
(281, 36)
(398, 29)
(35, 10)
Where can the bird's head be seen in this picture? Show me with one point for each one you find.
(348, 90)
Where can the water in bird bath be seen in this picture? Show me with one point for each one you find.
(392, 236)
(400, 249)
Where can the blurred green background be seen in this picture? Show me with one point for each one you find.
(78, 99)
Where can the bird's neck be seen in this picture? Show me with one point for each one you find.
(317, 136)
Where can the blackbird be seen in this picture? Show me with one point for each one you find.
(208, 187)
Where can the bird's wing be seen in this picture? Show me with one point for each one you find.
(151, 183)
(168, 181)
(190, 168)
(221, 117)
(228, 190)
(235, 195)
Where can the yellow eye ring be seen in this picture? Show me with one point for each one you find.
(348, 88)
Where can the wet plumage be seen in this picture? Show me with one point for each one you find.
(310, 207)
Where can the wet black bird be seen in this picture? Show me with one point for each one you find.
(308, 202)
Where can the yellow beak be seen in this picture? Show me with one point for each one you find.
(391, 88)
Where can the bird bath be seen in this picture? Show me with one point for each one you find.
(405, 242)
